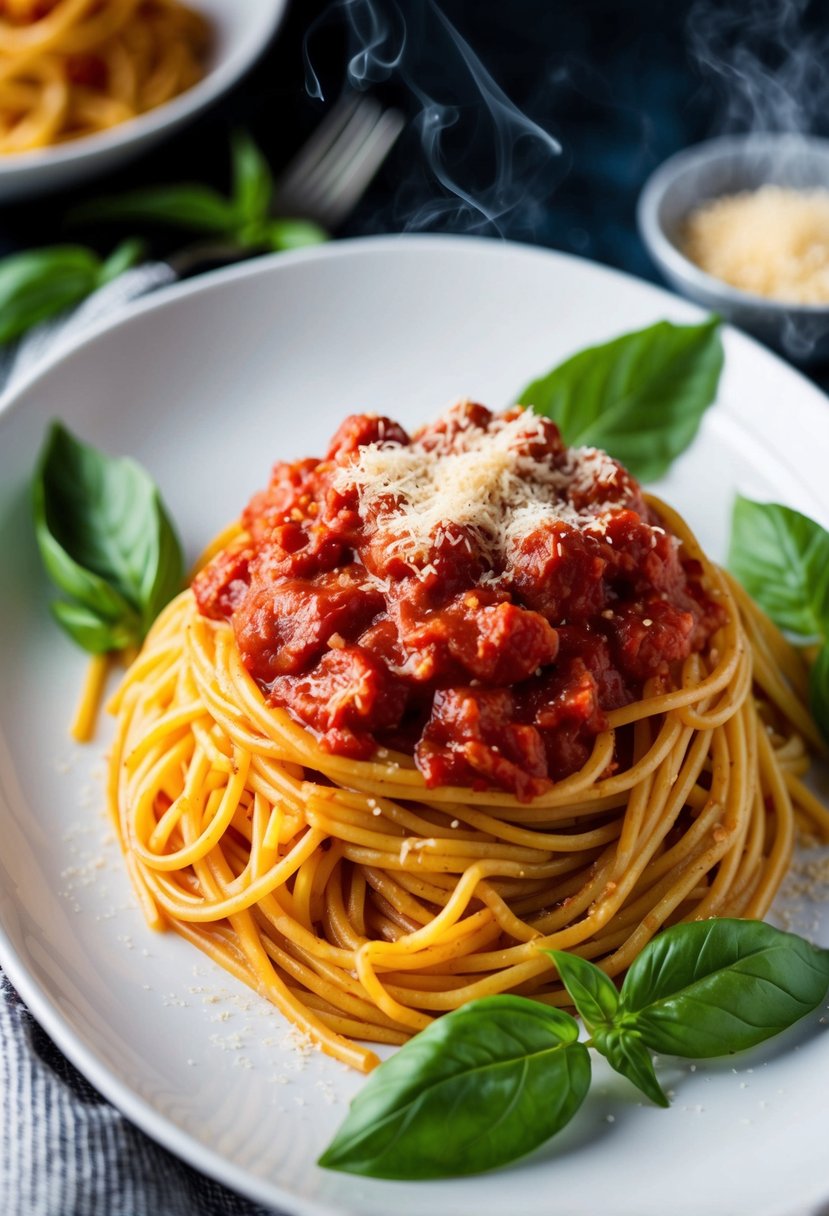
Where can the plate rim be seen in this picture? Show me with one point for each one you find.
(263, 264)
(48, 1014)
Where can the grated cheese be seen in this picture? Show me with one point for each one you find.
(484, 481)
(772, 242)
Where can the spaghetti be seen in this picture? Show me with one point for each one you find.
(365, 894)
(70, 68)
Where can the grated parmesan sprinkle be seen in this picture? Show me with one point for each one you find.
(486, 482)
(772, 242)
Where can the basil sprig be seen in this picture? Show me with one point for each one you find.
(641, 397)
(782, 559)
(106, 542)
(243, 219)
(493, 1080)
(41, 283)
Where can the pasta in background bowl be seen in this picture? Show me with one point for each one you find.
(73, 127)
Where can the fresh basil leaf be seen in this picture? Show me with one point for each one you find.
(782, 559)
(39, 283)
(641, 396)
(819, 690)
(194, 207)
(89, 589)
(481, 1086)
(90, 631)
(252, 180)
(165, 562)
(718, 986)
(627, 1054)
(593, 993)
(124, 256)
(105, 539)
(282, 235)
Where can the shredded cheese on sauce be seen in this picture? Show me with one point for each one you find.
(481, 480)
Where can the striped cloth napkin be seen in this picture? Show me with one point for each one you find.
(64, 1150)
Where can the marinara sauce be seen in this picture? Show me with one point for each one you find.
(476, 594)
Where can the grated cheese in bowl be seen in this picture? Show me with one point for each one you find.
(772, 242)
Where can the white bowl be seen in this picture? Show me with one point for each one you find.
(241, 30)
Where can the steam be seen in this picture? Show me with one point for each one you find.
(768, 68)
(486, 167)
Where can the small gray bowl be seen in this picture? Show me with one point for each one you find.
(725, 166)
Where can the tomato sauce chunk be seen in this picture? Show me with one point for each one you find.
(476, 593)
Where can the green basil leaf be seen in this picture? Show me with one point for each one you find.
(718, 986)
(90, 631)
(165, 562)
(782, 559)
(194, 207)
(294, 234)
(125, 255)
(39, 283)
(252, 180)
(819, 690)
(593, 993)
(641, 396)
(481, 1086)
(253, 235)
(105, 538)
(627, 1054)
(85, 586)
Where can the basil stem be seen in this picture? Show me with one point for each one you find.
(597, 1000)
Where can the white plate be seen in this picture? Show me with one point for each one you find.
(207, 385)
(242, 29)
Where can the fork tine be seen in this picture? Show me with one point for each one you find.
(325, 173)
(331, 171)
(362, 169)
(315, 148)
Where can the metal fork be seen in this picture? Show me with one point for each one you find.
(331, 172)
(324, 181)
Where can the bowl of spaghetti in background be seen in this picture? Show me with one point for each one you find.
(752, 209)
(85, 86)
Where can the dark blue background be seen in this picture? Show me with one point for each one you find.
(613, 80)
